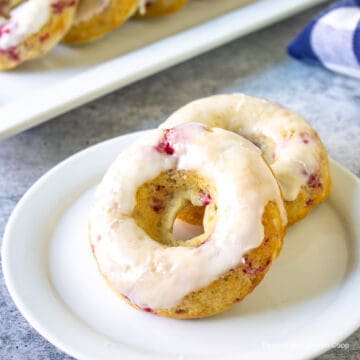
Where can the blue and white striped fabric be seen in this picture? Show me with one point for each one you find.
(332, 39)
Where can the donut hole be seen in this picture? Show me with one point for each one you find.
(189, 222)
(174, 196)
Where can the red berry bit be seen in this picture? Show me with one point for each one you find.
(156, 204)
(164, 146)
(309, 202)
(60, 6)
(250, 269)
(92, 248)
(44, 37)
(12, 53)
(4, 29)
(305, 137)
(179, 311)
(147, 309)
(205, 197)
(314, 181)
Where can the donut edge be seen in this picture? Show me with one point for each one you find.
(237, 283)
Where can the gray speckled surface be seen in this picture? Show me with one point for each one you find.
(256, 64)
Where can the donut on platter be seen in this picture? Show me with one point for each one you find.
(32, 28)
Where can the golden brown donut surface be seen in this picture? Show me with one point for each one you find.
(154, 8)
(96, 18)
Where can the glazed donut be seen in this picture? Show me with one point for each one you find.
(135, 206)
(289, 144)
(96, 18)
(32, 29)
(154, 8)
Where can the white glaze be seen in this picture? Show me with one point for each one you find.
(294, 160)
(151, 274)
(26, 19)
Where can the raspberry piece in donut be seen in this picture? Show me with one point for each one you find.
(59, 6)
(143, 192)
(289, 144)
(164, 145)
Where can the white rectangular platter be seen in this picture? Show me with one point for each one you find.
(71, 76)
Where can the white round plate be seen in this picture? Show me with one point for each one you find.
(306, 304)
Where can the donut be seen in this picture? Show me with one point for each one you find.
(96, 18)
(137, 201)
(32, 29)
(289, 144)
(154, 8)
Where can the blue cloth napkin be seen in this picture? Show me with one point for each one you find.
(332, 39)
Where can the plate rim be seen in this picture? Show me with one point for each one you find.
(27, 312)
